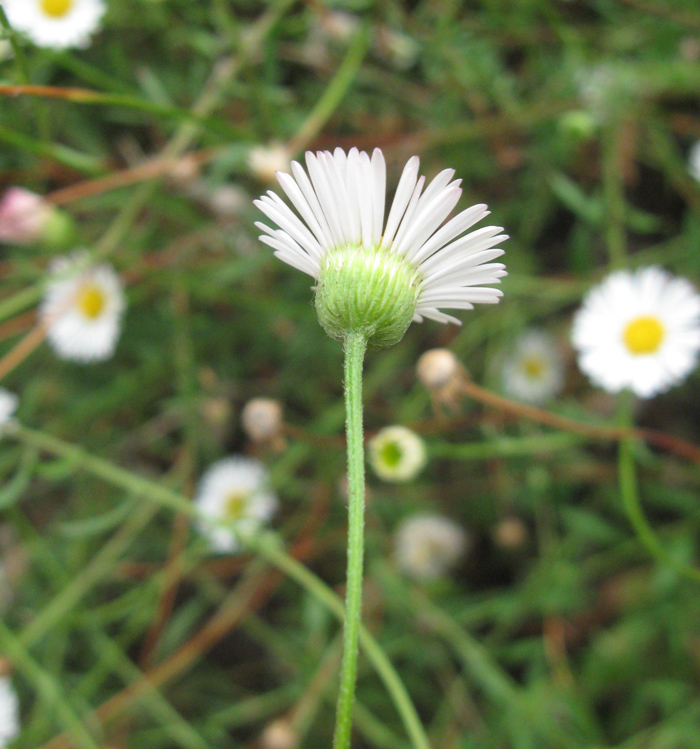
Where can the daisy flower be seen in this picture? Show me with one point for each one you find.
(8, 406)
(56, 23)
(375, 273)
(426, 546)
(234, 499)
(694, 161)
(82, 309)
(534, 371)
(639, 330)
(9, 712)
(397, 454)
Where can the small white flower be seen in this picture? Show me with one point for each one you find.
(639, 331)
(534, 371)
(266, 161)
(82, 309)
(397, 454)
(426, 546)
(341, 203)
(8, 406)
(234, 499)
(56, 23)
(9, 712)
(694, 161)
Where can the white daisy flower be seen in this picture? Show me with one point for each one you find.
(534, 371)
(639, 331)
(9, 712)
(426, 546)
(8, 406)
(343, 231)
(234, 499)
(694, 161)
(82, 309)
(397, 454)
(56, 23)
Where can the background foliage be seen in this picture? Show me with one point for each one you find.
(572, 121)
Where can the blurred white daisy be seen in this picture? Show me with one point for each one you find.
(694, 161)
(266, 161)
(397, 454)
(8, 406)
(341, 203)
(9, 712)
(426, 546)
(234, 499)
(639, 330)
(82, 309)
(534, 371)
(56, 23)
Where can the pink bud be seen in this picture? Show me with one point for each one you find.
(24, 216)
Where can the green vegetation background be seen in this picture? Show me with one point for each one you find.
(572, 120)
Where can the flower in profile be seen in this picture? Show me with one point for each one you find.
(694, 161)
(9, 712)
(82, 309)
(234, 500)
(266, 161)
(24, 216)
(639, 330)
(534, 371)
(8, 406)
(397, 454)
(56, 23)
(374, 276)
(426, 546)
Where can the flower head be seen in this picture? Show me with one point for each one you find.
(8, 406)
(397, 454)
(82, 309)
(534, 370)
(694, 161)
(9, 712)
(639, 331)
(24, 216)
(375, 276)
(426, 546)
(234, 499)
(56, 23)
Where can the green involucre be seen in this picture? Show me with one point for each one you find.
(367, 291)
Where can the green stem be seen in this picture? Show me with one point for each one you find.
(355, 346)
(627, 476)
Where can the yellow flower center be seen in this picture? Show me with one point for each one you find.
(391, 454)
(57, 8)
(643, 335)
(234, 506)
(533, 366)
(91, 301)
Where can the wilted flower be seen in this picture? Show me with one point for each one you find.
(373, 277)
(639, 331)
(82, 309)
(443, 376)
(397, 454)
(234, 500)
(279, 735)
(56, 23)
(534, 371)
(262, 420)
(426, 546)
(8, 406)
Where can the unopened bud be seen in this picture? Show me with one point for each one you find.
(279, 735)
(262, 420)
(24, 216)
(441, 373)
(511, 533)
(266, 161)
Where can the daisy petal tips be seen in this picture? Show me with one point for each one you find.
(377, 270)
